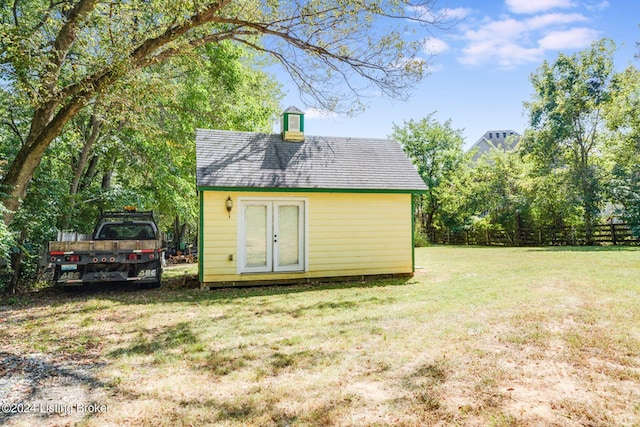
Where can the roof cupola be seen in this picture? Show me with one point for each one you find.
(292, 126)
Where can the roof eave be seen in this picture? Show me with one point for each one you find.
(312, 190)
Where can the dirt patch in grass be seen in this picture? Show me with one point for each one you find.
(37, 389)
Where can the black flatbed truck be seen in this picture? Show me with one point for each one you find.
(124, 247)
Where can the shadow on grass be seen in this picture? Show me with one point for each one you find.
(424, 385)
(222, 295)
(169, 338)
(45, 384)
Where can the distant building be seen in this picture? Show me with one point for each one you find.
(504, 140)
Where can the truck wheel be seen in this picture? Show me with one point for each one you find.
(57, 270)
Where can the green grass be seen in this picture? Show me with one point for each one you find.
(479, 336)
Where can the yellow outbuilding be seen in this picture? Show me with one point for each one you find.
(281, 208)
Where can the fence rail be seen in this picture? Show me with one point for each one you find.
(603, 234)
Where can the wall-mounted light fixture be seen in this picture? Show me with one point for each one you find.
(229, 205)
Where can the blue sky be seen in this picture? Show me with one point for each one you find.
(480, 72)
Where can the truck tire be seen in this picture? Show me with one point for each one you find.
(56, 273)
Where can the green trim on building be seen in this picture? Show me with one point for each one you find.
(413, 234)
(285, 121)
(201, 237)
(311, 190)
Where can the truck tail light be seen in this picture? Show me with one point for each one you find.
(72, 258)
(133, 257)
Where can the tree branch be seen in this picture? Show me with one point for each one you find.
(14, 127)
(15, 13)
(173, 33)
(141, 56)
(65, 38)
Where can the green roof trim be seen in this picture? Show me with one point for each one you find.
(311, 190)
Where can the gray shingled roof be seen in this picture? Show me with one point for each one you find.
(257, 160)
(505, 140)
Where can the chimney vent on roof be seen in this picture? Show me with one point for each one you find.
(292, 127)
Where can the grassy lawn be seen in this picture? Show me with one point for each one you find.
(478, 337)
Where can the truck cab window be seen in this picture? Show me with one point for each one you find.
(126, 232)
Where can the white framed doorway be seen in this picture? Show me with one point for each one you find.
(272, 235)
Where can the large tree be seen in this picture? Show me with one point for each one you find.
(436, 150)
(141, 135)
(63, 55)
(134, 145)
(624, 145)
(567, 120)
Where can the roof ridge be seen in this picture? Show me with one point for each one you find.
(361, 138)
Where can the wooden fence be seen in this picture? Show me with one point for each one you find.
(603, 234)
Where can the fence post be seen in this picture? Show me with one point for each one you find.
(613, 233)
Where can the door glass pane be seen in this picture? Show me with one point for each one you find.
(288, 237)
(256, 235)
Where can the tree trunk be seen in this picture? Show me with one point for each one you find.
(16, 263)
(431, 213)
(44, 129)
(179, 231)
(90, 174)
(588, 227)
(428, 225)
(96, 124)
(589, 201)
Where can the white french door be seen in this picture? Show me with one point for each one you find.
(271, 236)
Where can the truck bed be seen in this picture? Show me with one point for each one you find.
(104, 246)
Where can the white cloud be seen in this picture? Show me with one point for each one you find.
(434, 46)
(315, 113)
(535, 6)
(424, 12)
(549, 19)
(575, 38)
(455, 13)
(510, 41)
(597, 6)
(503, 55)
(497, 42)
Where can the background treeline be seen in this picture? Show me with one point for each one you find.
(576, 166)
(99, 100)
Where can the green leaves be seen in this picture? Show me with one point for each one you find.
(567, 120)
(436, 151)
(137, 141)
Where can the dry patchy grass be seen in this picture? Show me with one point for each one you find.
(480, 336)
